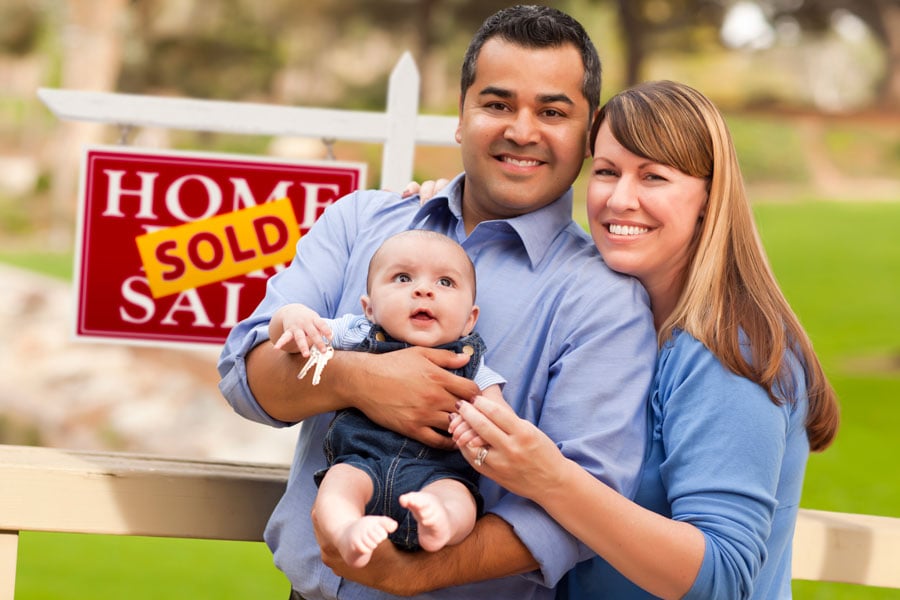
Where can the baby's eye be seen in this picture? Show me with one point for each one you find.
(402, 278)
(445, 281)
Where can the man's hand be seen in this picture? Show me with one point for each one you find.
(408, 391)
(385, 560)
(411, 392)
(491, 551)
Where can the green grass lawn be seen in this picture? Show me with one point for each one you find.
(57, 566)
(839, 265)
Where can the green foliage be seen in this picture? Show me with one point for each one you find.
(20, 27)
(206, 141)
(14, 431)
(14, 217)
(204, 67)
(865, 149)
(768, 149)
(55, 264)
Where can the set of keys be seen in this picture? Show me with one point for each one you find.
(318, 360)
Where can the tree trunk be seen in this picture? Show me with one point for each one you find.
(890, 89)
(92, 58)
(633, 38)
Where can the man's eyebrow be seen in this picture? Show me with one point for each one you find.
(543, 99)
(552, 98)
(495, 91)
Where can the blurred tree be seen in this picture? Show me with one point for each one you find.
(200, 49)
(882, 17)
(432, 26)
(20, 26)
(651, 26)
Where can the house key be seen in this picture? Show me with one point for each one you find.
(317, 359)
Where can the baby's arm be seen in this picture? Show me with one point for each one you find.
(463, 433)
(297, 328)
(493, 392)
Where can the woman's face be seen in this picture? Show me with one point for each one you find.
(643, 215)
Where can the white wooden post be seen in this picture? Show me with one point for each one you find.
(9, 544)
(400, 140)
(399, 130)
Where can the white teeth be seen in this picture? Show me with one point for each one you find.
(626, 229)
(521, 163)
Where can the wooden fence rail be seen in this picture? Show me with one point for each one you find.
(125, 494)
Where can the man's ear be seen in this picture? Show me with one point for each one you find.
(458, 136)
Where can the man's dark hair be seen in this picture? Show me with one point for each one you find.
(537, 27)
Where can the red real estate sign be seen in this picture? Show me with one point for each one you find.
(176, 247)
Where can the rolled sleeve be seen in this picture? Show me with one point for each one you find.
(233, 383)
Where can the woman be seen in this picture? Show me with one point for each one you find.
(739, 398)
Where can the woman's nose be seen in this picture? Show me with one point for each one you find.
(624, 196)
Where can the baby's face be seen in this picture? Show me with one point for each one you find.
(421, 291)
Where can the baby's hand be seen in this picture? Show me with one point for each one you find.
(302, 329)
(426, 190)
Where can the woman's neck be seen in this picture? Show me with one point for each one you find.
(664, 295)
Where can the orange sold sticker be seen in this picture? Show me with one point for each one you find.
(219, 248)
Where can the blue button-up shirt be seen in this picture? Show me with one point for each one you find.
(574, 340)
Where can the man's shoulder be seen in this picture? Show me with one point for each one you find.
(577, 251)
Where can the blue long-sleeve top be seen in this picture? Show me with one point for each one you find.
(726, 459)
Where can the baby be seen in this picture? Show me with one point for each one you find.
(420, 292)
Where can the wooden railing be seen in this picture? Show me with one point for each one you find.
(127, 494)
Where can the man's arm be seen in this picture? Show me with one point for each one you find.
(409, 391)
(491, 551)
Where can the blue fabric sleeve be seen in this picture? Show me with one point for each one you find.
(725, 443)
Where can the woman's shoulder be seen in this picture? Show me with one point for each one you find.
(684, 360)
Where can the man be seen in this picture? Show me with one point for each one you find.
(574, 340)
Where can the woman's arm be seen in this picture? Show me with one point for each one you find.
(660, 555)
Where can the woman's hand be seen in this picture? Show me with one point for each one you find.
(520, 457)
(426, 189)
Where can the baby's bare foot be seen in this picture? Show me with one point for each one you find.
(359, 539)
(432, 517)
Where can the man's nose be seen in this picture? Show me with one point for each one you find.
(523, 129)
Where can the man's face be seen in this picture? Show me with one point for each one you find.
(523, 129)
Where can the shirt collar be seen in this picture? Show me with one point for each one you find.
(536, 229)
